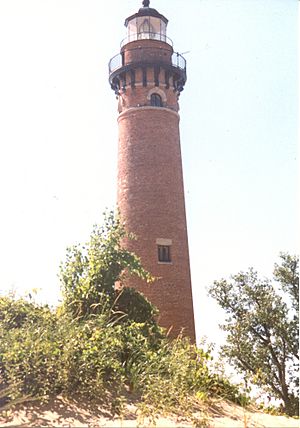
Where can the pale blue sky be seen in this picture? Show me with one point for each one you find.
(58, 134)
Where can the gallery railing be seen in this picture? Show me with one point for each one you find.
(117, 61)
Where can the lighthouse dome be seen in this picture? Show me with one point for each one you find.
(147, 23)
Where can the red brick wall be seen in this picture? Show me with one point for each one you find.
(151, 199)
(147, 50)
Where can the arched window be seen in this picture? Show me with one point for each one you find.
(156, 100)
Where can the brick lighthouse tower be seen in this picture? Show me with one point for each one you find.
(147, 77)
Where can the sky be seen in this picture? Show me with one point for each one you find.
(58, 135)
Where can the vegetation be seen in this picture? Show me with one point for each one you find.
(262, 328)
(102, 342)
(91, 271)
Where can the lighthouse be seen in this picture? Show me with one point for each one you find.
(147, 77)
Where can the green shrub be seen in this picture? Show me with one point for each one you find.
(103, 355)
(135, 305)
(92, 358)
(91, 271)
(102, 342)
(176, 376)
(30, 348)
(15, 312)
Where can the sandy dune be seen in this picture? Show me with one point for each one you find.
(61, 413)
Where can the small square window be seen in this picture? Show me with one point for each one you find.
(164, 253)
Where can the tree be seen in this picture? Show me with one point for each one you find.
(262, 328)
(91, 271)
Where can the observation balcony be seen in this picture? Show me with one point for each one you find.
(117, 61)
(130, 60)
(174, 65)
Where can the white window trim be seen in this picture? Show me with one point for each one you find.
(163, 241)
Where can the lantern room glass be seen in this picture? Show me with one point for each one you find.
(146, 27)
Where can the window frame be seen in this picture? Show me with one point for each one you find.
(156, 100)
(164, 254)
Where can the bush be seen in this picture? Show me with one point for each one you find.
(47, 354)
(30, 348)
(102, 342)
(135, 305)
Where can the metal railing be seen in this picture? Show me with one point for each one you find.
(116, 62)
(178, 61)
(146, 36)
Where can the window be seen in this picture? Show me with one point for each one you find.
(156, 100)
(164, 253)
(146, 30)
(146, 27)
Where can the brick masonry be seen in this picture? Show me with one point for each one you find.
(151, 191)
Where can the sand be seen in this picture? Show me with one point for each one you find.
(62, 413)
